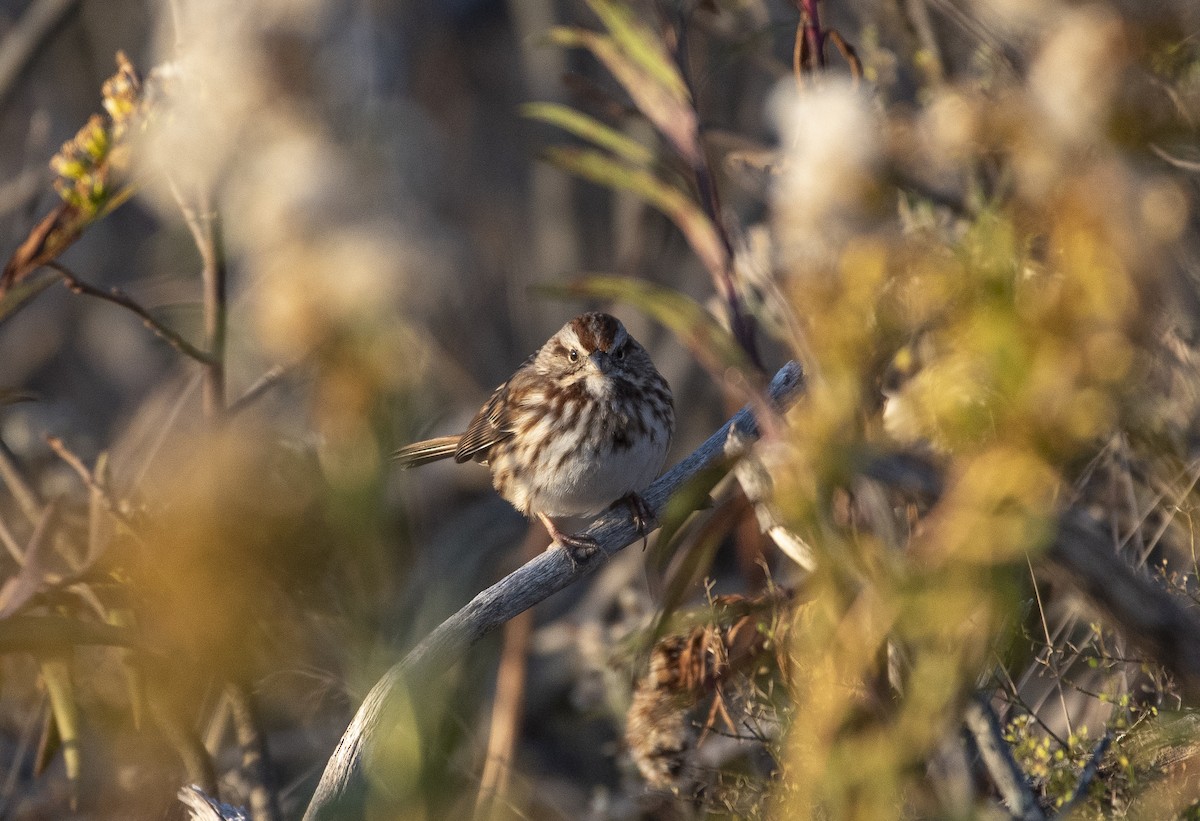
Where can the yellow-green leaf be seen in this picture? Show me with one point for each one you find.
(693, 495)
(590, 129)
(692, 222)
(699, 546)
(48, 745)
(672, 116)
(641, 44)
(135, 680)
(56, 672)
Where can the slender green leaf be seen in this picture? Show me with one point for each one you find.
(712, 345)
(56, 672)
(692, 222)
(697, 549)
(590, 129)
(23, 293)
(641, 44)
(675, 118)
(99, 517)
(49, 743)
(135, 679)
(692, 496)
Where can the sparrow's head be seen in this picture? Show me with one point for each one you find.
(596, 347)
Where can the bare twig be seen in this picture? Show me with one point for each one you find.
(24, 41)
(196, 761)
(18, 485)
(510, 696)
(1050, 663)
(342, 789)
(1178, 162)
(205, 226)
(10, 544)
(117, 297)
(848, 54)
(76, 464)
(260, 386)
(264, 803)
(1010, 782)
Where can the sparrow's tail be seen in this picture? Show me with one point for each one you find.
(431, 450)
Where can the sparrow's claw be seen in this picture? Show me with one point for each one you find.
(642, 514)
(579, 548)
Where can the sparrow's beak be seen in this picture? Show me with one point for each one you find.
(602, 361)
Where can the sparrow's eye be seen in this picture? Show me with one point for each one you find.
(619, 353)
(573, 355)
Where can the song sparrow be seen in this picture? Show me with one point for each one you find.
(583, 424)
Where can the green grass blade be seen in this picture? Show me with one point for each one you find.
(642, 45)
(692, 222)
(56, 672)
(589, 128)
(675, 118)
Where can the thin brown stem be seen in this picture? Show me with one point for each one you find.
(197, 763)
(741, 323)
(814, 37)
(118, 297)
(264, 804)
(10, 544)
(19, 486)
(798, 54)
(848, 54)
(204, 224)
(260, 386)
(213, 275)
(106, 500)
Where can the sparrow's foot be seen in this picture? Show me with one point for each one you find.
(643, 516)
(579, 548)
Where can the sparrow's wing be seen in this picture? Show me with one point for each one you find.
(490, 425)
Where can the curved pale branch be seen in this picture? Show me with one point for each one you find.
(342, 789)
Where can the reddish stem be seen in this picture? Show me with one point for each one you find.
(814, 35)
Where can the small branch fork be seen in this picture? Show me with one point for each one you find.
(204, 223)
(342, 790)
(118, 297)
(808, 54)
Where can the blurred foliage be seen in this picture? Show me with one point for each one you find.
(983, 247)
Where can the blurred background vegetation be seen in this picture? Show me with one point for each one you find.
(957, 579)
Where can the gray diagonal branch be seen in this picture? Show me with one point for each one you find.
(342, 789)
